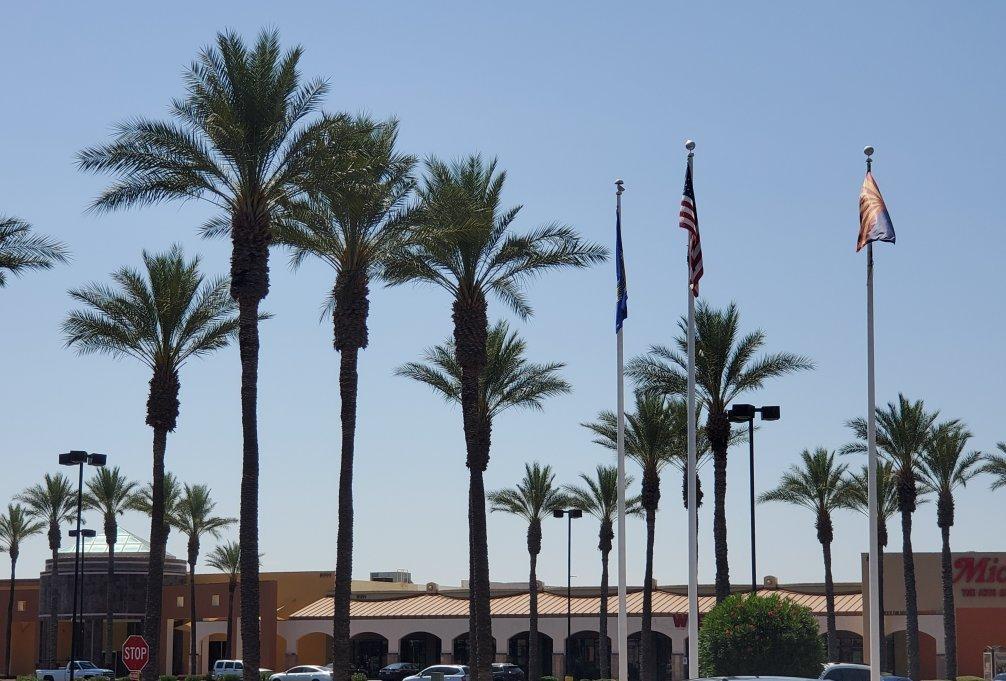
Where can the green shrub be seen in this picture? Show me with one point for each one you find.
(970, 678)
(359, 677)
(549, 678)
(760, 636)
(168, 678)
(264, 676)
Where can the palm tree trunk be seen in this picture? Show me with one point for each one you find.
(949, 616)
(155, 564)
(646, 651)
(110, 578)
(911, 597)
(480, 545)
(829, 596)
(192, 617)
(718, 431)
(232, 586)
(533, 644)
(342, 649)
(602, 644)
(52, 626)
(473, 648)
(10, 611)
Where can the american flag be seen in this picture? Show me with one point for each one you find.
(690, 221)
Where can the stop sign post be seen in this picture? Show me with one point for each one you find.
(135, 654)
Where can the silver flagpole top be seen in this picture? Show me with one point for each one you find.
(690, 145)
(868, 150)
(620, 187)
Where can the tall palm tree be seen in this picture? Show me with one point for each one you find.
(535, 497)
(598, 496)
(161, 317)
(458, 237)
(143, 501)
(20, 250)
(16, 526)
(725, 368)
(194, 518)
(53, 502)
(242, 139)
(821, 486)
(654, 434)
(944, 466)
(347, 226)
(858, 499)
(903, 432)
(110, 493)
(227, 559)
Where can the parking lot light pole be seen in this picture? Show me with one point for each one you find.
(86, 534)
(741, 413)
(570, 513)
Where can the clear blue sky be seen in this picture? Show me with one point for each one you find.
(781, 100)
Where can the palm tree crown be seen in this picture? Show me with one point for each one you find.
(995, 465)
(20, 250)
(535, 497)
(598, 496)
(819, 485)
(226, 558)
(944, 465)
(110, 493)
(143, 501)
(194, 517)
(54, 502)
(17, 525)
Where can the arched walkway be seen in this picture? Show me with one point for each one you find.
(664, 649)
(584, 655)
(420, 647)
(370, 653)
(517, 651)
(314, 648)
(460, 649)
(897, 658)
(850, 646)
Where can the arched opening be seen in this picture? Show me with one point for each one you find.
(517, 651)
(583, 652)
(216, 649)
(370, 653)
(314, 648)
(849, 646)
(421, 647)
(664, 647)
(897, 657)
(461, 650)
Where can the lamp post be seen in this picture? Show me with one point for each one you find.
(77, 458)
(741, 413)
(86, 534)
(570, 513)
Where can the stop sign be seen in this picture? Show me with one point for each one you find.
(135, 653)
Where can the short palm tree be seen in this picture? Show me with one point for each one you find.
(821, 486)
(598, 496)
(655, 433)
(194, 518)
(945, 466)
(726, 367)
(534, 498)
(903, 432)
(508, 380)
(110, 493)
(858, 499)
(227, 559)
(242, 139)
(161, 317)
(143, 501)
(53, 502)
(348, 228)
(20, 250)
(16, 526)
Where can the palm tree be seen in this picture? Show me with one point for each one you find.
(194, 518)
(944, 466)
(53, 502)
(227, 559)
(110, 493)
(239, 139)
(598, 496)
(725, 368)
(858, 499)
(348, 228)
(20, 250)
(457, 239)
(654, 434)
(162, 317)
(535, 497)
(16, 526)
(903, 432)
(143, 501)
(821, 486)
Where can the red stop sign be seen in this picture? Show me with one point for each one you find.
(135, 653)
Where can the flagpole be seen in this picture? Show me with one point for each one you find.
(693, 516)
(623, 622)
(871, 440)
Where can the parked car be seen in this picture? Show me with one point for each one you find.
(305, 672)
(398, 671)
(229, 669)
(353, 669)
(81, 669)
(451, 672)
(847, 671)
(504, 671)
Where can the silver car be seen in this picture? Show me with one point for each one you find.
(304, 672)
(451, 672)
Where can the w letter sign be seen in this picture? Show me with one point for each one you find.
(135, 653)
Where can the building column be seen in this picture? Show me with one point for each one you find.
(169, 646)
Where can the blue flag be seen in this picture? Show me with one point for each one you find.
(622, 304)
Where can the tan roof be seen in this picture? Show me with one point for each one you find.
(552, 604)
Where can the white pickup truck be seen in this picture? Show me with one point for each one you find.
(81, 670)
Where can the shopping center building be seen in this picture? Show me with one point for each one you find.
(394, 619)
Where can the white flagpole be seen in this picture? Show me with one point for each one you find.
(693, 511)
(623, 622)
(871, 444)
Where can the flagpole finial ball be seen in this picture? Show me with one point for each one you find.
(868, 150)
(689, 145)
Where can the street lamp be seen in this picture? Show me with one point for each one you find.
(741, 413)
(570, 513)
(77, 458)
(85, 534)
